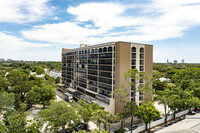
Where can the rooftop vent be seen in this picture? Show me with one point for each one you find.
(84, 45)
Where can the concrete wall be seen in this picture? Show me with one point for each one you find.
(149, 67)
(122, 61)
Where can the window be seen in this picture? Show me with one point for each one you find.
(134, 55)
(109, 49)
(104, 80)
(109, 62)
(100, 50)
(107, 87)
(105, 55)
(92, 67)
(104, 49)
(105, 68)
(141, 68)
(133, 62)
(92, 88)
(92, 72)
(141, 56)
(96, 50)
(141, 62)
(105, 74)
(92, 51)
(133, 49)
(105, 93)
(142, 50)
(94, 83)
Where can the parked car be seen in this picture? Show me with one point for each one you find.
(134, 127)
(81, 126)
(68, 97)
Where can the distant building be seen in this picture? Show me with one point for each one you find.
(167, 61)
(182, 61)
(175, 61)
(93, 72)
(1, 59)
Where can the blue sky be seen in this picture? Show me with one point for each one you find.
(38, 29)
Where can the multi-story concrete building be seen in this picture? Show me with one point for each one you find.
(93, 72)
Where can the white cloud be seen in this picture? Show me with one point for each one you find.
(17, 48)
(170, 19)
(19, 11)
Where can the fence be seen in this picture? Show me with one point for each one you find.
(160, 121)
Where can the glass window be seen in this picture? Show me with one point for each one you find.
(105, 49)
(141, 50)
(100, 50)
(133, 49)
(133, 62)
(96, 50)
(109, 49)
(133, 55)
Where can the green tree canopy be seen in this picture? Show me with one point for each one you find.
(40, 71)
(58, 114)
(147, 112)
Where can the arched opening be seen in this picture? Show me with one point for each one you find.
(141, 50)
(105, 49)
(133, 49)
(109, 49)
(100, 50)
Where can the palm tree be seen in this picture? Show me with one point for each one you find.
(110, 118)
(131, 110)
(121, 116)
(98, 118)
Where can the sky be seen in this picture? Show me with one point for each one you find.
(37, 30)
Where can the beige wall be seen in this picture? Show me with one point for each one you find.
(123, 60)
(149, 67)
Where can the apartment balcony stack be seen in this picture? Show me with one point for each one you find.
(94, 71)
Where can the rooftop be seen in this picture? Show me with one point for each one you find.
(101, 45)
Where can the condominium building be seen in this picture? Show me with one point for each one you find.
(93, 72)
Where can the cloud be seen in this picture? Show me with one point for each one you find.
(17, 48)
(99, 22)
(21, 11)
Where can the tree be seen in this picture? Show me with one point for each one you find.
(43, 94)
(5, 101)
(131, 109)
(157, 84)
(57, 80)
(86, 110)
(40, 71)
(22, 90)
(120, 94)
(110, 118)
(135, 78)
(15, 122)
(121, 116)
(20, 84)
(98, 118)
(147, 112)
(58, 114)
(163, 98)
(17, 78)
(3, 84)
(32, 97)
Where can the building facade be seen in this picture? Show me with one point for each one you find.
(95, 71)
